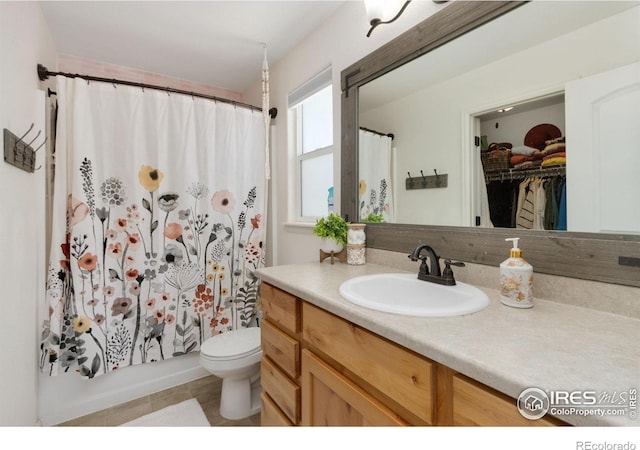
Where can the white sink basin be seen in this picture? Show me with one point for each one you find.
(402, 293)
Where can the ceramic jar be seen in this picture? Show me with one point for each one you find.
(356, 239)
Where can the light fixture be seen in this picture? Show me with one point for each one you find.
(376, 10)
(508, 108)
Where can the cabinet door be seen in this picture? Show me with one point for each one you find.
(475, 404)
(405, 377)
(329, 399)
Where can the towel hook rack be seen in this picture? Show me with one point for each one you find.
(19, 153)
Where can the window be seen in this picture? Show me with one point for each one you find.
(312, 111)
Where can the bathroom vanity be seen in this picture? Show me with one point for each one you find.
(329, 362)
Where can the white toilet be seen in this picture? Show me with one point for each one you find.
(235, 356)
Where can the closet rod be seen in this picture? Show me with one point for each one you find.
(391, 135)
(519, 174)
(44, 73)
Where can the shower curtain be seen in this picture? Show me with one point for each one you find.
(158, 225)
(375, 184)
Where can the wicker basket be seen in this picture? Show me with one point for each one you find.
(496, 160)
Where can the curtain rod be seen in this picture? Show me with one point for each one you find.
(391, 135)
(44, 73)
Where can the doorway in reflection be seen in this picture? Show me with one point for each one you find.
(522, 149)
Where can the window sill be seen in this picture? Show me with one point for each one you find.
(299, 225)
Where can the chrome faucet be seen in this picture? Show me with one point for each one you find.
(432, 271)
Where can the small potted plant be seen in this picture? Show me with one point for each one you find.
(332, 230)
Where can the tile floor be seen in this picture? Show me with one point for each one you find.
(206, 390)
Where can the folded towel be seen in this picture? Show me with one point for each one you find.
(553, 141)
(555, 155)
(554, 161)
(554, 148)
(518, 159)
(528, 165)
(524, 150)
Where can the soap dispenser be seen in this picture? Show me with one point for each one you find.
(516, 279)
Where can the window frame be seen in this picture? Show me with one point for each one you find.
(299, 157)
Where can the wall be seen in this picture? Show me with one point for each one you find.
(25, 41)
(446, 105)
(339, 42)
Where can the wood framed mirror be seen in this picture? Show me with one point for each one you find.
(599, 256)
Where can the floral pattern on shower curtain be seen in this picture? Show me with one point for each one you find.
(157, 229)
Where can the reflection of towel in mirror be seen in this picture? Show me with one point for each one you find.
(554, 148)
(554, 160)
(524, 150)
(528, 164)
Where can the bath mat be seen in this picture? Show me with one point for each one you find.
(185, 414)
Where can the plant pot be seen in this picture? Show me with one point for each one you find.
(329, 245)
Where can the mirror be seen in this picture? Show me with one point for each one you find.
(526, 60)
(467, 39)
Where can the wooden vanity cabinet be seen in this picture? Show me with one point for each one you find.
(319, 369)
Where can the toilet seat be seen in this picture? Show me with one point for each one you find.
(235, 344)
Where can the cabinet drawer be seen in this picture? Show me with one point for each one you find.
(281, 348)
(284, 392)
(270, 414)
(475, 404)
(280, 308)
(402, 375)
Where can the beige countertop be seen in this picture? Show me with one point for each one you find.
(552, 346)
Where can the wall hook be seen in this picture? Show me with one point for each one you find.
(25, 135)
(427, 182)
(409, 181)
(40, 146)
(19, 153)
(32, 140)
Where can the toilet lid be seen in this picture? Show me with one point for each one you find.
(232, 344)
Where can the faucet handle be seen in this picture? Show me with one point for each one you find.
(447, 273)
(448, 263)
